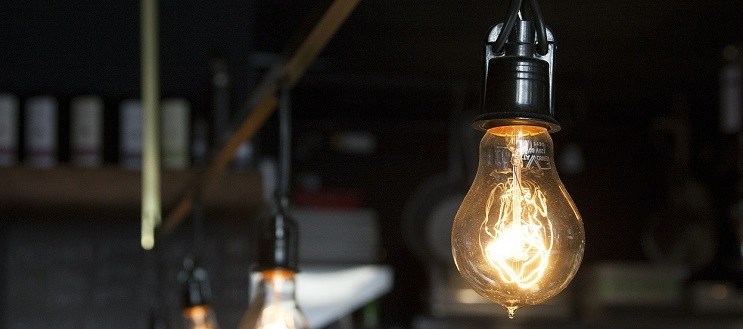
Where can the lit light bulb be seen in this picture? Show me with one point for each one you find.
(199, 317)
(517, 238)
(197, 314)
(275, 305)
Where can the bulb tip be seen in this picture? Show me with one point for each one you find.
(512, 311)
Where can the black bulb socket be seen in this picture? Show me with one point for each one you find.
(196, 290)
(278, 242)
(517, 87)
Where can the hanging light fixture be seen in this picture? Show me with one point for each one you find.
(517, 238)
(197, 311)
(274, 305)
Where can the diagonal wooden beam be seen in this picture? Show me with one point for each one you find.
(289, 72)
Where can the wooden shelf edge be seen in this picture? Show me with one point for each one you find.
(84, 189)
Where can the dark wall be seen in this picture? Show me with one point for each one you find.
(66, 49)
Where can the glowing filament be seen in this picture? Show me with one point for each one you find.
(275, 317)
(277, 309)
(518, 244)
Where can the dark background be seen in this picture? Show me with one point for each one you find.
(398, 70)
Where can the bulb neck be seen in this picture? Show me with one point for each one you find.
(275, 304)
(196, 311)
(529, 145)
(199, 317)
(277, 285)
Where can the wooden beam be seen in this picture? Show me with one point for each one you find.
(265, 101)
(109, 188)
(206, 181)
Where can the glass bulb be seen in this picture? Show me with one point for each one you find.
(199, 317)
(275, 305)
(517, 238)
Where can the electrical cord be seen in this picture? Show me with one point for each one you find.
(542, 46)
(285, 136)
(514, 13)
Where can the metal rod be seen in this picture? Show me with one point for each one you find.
(285, 141)
(265, 105)
(197, 222)
(151, 207)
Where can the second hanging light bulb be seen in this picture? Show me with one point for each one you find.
(275, 306)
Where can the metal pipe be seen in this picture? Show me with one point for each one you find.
(151, 205)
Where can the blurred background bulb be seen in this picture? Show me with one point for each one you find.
(274, 305)
(199, 317)
(197, 312)
(517, 238)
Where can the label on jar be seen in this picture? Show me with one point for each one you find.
(8, 130)
(86, 131)
(130, 134)
(175, 137)
(41, 131)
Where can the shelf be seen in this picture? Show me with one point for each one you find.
(81, 190)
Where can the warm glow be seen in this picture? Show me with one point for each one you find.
(517, 243)
(199, 317)
(276, 317)
(274, 306)
(513, 131)
(196, 312)
(517, 238)
(278, 275)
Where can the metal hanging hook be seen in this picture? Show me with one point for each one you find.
(515, 12)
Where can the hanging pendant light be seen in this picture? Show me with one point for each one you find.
(275, 305)
(197, 311)
(517, 238)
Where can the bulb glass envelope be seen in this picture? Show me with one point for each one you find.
(518, 238)
(275, 305)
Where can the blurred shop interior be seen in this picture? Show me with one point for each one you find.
(649, 95)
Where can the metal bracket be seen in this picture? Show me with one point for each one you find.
(490, 53)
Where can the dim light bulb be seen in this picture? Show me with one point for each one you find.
(275, 305)
(517, 238)
(199, 317)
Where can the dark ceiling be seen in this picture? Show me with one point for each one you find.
(625, 51)
(622, 52)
